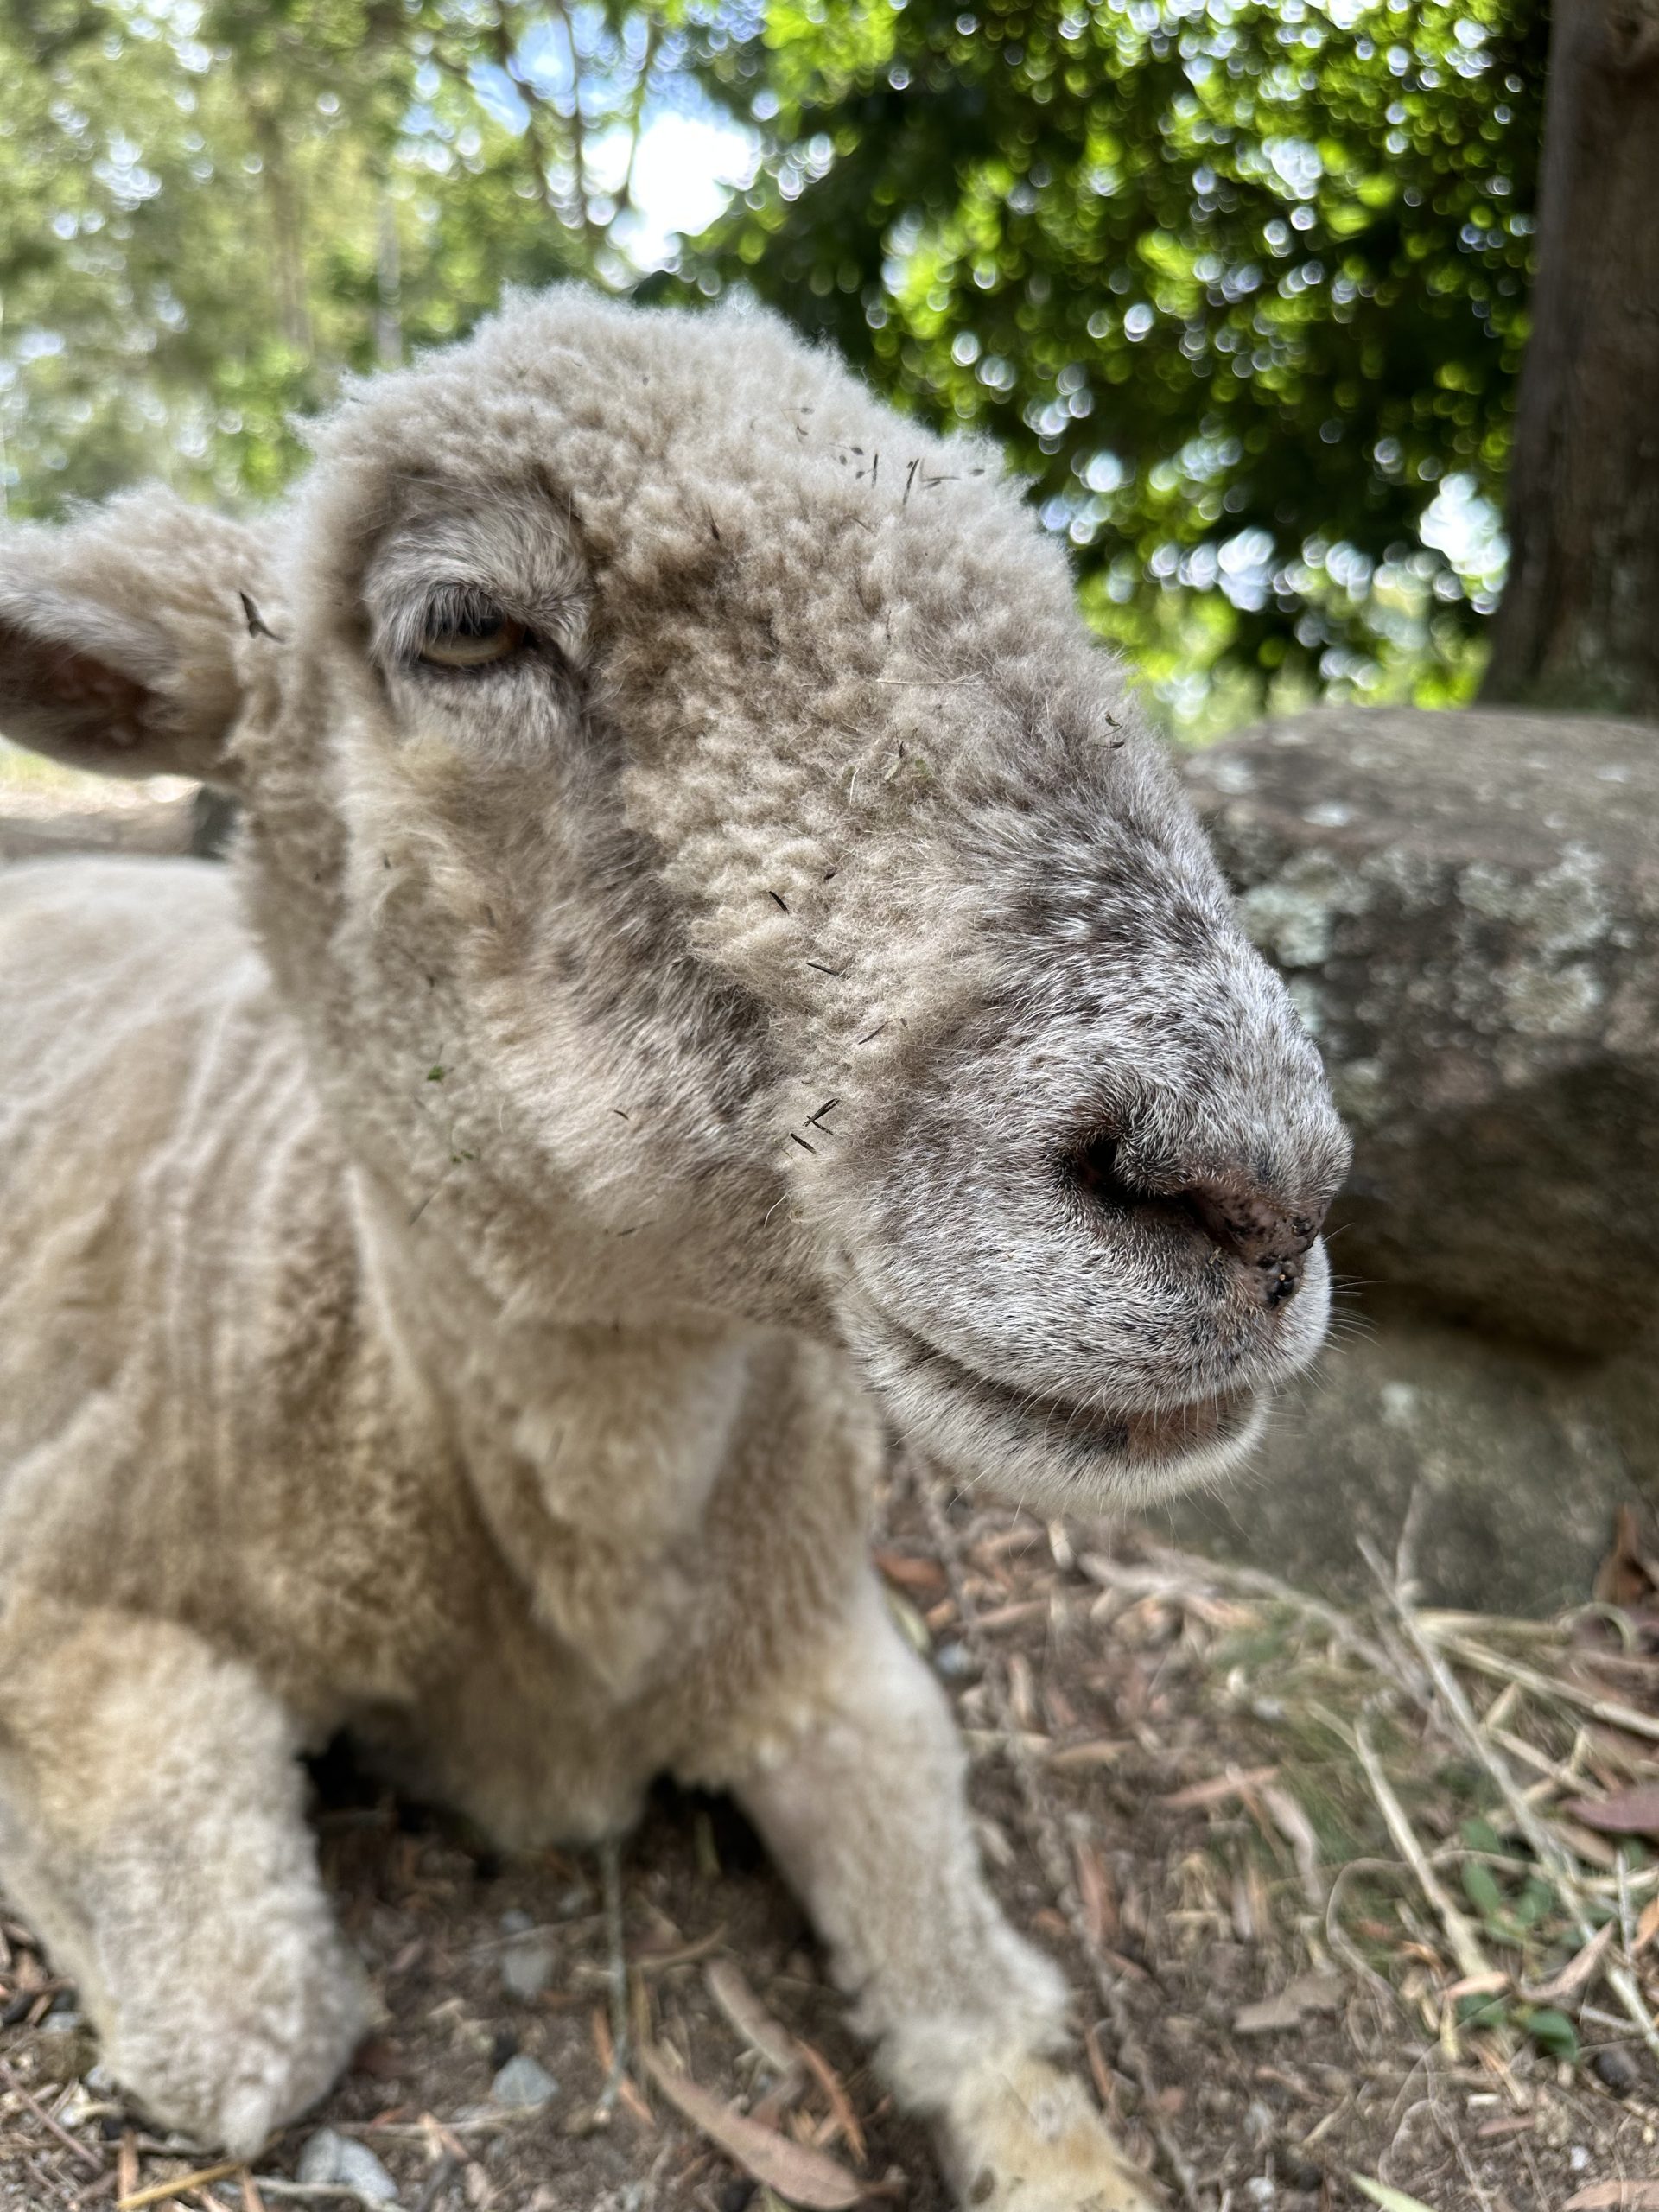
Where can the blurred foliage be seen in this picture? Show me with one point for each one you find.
(209, 213)
(1241, 288)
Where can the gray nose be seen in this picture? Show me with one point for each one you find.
(1252, 1224)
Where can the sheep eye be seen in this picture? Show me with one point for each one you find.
(473, 639)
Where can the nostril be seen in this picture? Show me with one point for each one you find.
(1282, 1279)
(1092, 1170)
(1266, 1236)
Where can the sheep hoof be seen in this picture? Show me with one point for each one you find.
(230, 2080)
(1028, 2139)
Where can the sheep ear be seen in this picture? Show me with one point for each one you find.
(120, 635)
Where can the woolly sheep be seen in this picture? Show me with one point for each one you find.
(712, 965)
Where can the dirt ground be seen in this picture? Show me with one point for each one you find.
(1169, 1769)
(1152, 1818)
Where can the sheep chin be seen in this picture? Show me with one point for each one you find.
(1055, 1455)
(1051, 1465)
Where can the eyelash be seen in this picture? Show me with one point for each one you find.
(409, 630)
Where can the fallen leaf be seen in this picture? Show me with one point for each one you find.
(1094, 1893)
(808, 2178)
(843, 2118)
(1391, 2200)
(1648, 1926)
(1581, 1969)
(1297, 1829)
(910, 1574)
(1309, 1992)
(1100, 1751)
(1616, 2197)
(1105, 2087)
(748, 2016)
(1594, 1849)
(1628, 1812)
(1218, 1789)
(1010, 1616)
(645, 1961)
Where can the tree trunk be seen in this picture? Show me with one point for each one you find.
(1579, 624)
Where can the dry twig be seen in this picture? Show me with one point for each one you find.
(610, 1867)
(157, 2192)
(1471, 1961)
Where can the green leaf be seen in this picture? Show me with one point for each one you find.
(1479, 1835)
(1536, 1899)
(1480, 1886)
(1553, 2033)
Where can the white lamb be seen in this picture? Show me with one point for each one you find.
(711, 962)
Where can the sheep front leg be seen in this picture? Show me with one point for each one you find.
(866, 1814)
(152, 1830)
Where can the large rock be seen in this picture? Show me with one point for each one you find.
(1518, 1459)
(1466, 905)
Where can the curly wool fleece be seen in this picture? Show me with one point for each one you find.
(710, 960)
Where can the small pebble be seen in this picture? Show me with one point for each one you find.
(1579, 2159)
(333, 2161)
(955, 1660)
(1262, 2192)
(527, 1967)
(523, 2084)
(1616, 2069)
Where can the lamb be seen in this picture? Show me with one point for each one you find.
(714, 976)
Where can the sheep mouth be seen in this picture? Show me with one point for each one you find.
(1190, 1426)
(1036, 1442)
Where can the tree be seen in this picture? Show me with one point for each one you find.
(210, 214)
(1579, 623)
(1241, 287)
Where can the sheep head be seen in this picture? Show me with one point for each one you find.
(718, 876)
